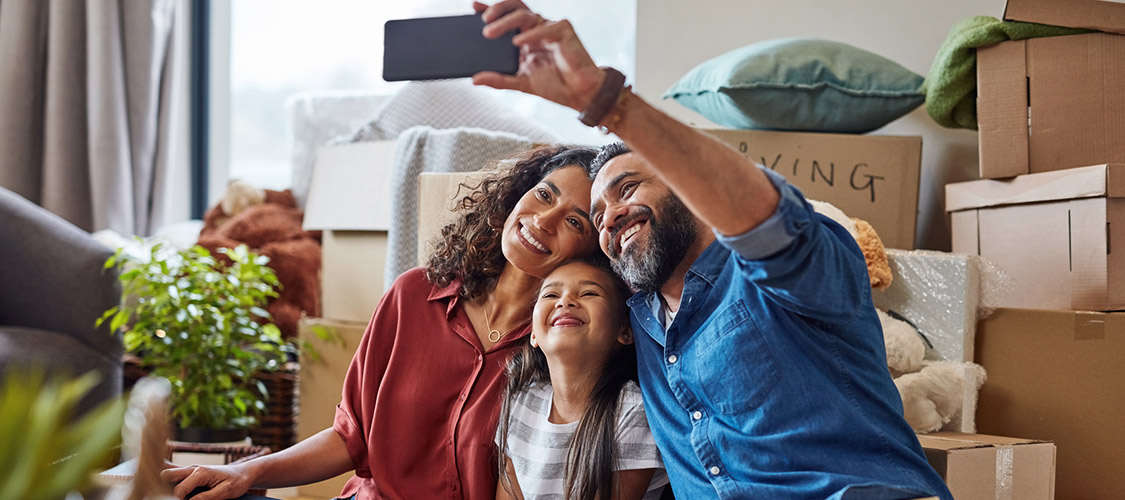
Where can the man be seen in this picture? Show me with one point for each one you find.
(761, 357)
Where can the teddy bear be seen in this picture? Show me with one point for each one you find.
(269, 223)
(932, 392)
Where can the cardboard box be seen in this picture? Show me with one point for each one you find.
(350, 200)
(321, 384)
(438, 194)
(1058, 375)
(1051, 103)
(872, 177)
(1053, 232)
(1101, 15)
(982, 467)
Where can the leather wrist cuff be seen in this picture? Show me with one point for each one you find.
(604, 100)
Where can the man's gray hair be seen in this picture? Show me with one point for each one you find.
(608, 152)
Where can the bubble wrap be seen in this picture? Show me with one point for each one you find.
(943, 295)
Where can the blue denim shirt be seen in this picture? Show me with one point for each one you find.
(772, 380)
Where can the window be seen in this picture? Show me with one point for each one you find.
(278, 48)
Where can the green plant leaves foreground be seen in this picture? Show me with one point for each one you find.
(44, 454)
(200, 321)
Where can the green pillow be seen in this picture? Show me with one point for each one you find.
(800, 84)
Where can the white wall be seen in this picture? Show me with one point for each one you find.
(675, 35)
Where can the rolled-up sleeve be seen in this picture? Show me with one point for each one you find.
(807, 262)
(776, 232)
(344, 425)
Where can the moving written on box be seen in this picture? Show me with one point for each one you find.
(871, 177)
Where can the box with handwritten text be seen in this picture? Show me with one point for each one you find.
(871, 177)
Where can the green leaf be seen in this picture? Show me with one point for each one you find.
(119, 319)
(272, 332)
(109, 312)
(46, 454)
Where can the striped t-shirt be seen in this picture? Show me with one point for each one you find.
(538, 449)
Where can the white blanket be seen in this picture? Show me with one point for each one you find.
(445, 104)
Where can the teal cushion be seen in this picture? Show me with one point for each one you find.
(800, 84)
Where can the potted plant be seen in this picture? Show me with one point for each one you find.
(200, 321)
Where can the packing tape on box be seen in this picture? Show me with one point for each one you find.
(1089, 325)
(1004, 472)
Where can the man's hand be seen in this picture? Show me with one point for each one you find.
(222, 482)
(553, 63)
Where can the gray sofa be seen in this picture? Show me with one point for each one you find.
(52, 290)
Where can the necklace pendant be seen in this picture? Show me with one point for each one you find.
(494, 336)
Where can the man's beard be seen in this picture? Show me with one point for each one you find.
(645, 267)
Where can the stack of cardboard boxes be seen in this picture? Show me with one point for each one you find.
(349, 200)
(1050, 211)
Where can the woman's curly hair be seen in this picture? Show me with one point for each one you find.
(469, 248)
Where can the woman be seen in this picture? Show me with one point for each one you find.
(418, 413)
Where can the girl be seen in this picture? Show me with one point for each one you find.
(571, 422)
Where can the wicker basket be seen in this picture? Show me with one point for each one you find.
(277, 428)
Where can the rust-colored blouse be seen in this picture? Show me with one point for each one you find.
(421, 398)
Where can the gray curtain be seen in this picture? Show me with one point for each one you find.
(85, 88)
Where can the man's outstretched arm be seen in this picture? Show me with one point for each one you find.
(718, 184)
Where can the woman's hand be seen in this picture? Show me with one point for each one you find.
(222, 482)
(553, 63)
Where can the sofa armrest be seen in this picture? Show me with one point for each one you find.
(51, 275)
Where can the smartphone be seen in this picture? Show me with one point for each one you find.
(431, 48)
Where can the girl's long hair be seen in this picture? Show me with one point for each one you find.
(593, 451)
(469, 247)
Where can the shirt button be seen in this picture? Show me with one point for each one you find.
(697, 415)
(672, 359)
(715, 470)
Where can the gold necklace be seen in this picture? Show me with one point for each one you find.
(494, 335)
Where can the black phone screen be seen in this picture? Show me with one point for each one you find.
(432, 48)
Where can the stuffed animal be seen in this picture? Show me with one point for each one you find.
(932, 392)
(269, 223)
(905, 347)
(878, 268)
(933, 395)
